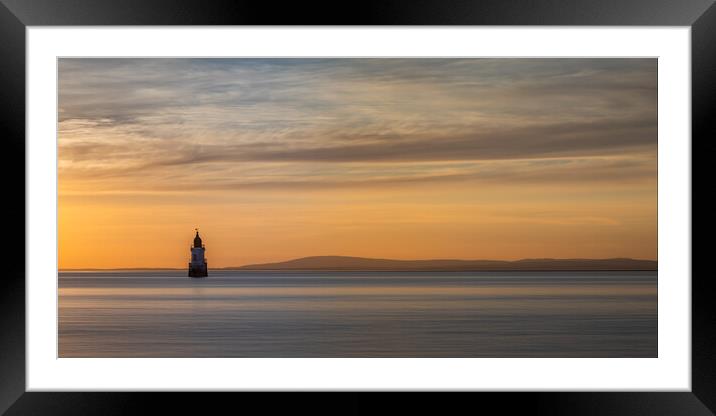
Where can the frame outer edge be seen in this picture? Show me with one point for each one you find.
(12, 130)
(703, 315)
(366, 12)
(12, 133)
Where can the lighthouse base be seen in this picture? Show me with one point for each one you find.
(198, 270)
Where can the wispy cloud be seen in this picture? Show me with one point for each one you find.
(253, 123)
(170, 119)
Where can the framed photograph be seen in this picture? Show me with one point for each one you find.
(481, 198)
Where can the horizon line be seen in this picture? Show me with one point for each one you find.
(355, 257)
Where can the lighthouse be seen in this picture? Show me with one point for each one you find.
(197, 265)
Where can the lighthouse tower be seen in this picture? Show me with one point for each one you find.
(197, 265)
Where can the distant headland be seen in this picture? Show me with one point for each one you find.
(344, 263)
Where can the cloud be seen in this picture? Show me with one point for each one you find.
(263, 123)
(292, 177)
(300, 94)
(539, 141)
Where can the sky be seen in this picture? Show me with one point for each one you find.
(275, 159)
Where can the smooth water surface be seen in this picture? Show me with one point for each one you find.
(358, 314)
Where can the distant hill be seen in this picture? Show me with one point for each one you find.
(367, 264)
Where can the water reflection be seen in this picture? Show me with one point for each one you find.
(232, 314)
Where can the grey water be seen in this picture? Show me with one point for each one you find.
(358, 314)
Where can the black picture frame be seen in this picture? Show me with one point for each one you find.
(16, 15)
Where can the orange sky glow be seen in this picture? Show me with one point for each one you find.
(275, 159)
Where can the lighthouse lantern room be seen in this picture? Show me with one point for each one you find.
(197, 265)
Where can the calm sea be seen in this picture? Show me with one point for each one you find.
(366, 314)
